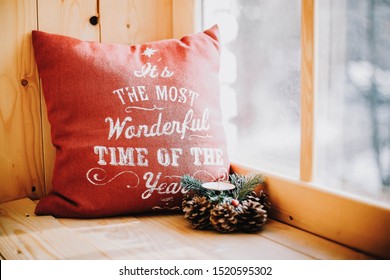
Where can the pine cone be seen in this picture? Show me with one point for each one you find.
(265, 201)
(252, 216)
(185, 199)
(224, 217)
(262, 198)
(252, 196)
(197, 211)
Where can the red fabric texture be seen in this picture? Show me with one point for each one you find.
(128, 121)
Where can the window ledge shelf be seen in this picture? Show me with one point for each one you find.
(27, 236)
(355, 223)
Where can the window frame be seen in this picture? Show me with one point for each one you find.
(341, 217)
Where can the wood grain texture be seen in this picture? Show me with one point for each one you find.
(307, 90)
(184, 17)
(70, 18)
(335, 216)
(309, 244)
(168, 237)
(24, 235)
(21, 163)
(135, 21)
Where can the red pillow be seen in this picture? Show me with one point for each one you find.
(128, 121)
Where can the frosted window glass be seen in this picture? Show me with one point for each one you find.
(353, 108)
(260, 80)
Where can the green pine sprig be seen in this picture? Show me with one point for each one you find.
(194, 185)
(245, 184)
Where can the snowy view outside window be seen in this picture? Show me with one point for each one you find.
(260, 88)
(260, 77)
(353, 121)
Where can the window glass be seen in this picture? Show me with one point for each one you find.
(353, 96)
(260, 80)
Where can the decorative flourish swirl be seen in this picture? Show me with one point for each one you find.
(166, 208)
(222, 174)
(167, 199)
(129, 108)
(172, 176)
(199, 136)
(97, 176)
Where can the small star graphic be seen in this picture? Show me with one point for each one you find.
(149, 52)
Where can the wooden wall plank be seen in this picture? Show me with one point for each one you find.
(21, 163)
(69, 18)
(185, 19)
(135, 21)
(307, 91)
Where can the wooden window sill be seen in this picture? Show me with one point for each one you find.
(27, 236)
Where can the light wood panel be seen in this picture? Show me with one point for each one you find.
(24, 235)
(307, 243)
(307, 90)
(70, 18)
(135, 21)
(21, 165)
(168, 237)
(184, 17)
